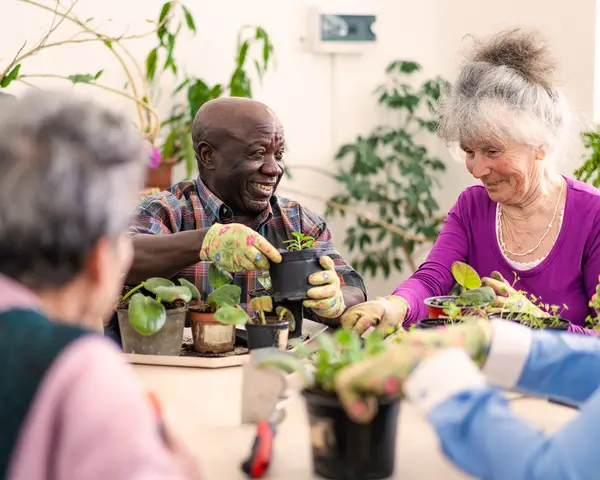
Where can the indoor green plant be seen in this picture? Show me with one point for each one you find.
(152, 316)
(471, 300)
(263, 328)
(387, 177)
(209, 333)
(342, 448)
(299, 259)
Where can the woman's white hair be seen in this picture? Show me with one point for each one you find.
(506, 90)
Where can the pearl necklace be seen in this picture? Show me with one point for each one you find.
(533, 249)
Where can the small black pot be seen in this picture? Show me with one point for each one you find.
(550, 323)
(345, 450)
(290, 277)
(295, 307)
(267, 335)
(436, 322)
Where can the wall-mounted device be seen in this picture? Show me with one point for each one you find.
(332, 31)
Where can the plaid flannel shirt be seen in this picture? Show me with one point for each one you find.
(190, 205)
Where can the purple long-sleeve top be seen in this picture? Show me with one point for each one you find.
(568, 275)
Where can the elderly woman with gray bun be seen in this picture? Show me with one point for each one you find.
(72, 407)
(511, 120)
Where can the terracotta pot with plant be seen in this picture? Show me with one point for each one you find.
(209, 332)
(152, 316)
(342, 448)
(472, 300)
(299, 260)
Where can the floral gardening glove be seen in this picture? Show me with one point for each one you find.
(387, 313)
(238, 248)
(326, 299)
(509, 299)
(360, 384)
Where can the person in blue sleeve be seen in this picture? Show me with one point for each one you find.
(456, 376)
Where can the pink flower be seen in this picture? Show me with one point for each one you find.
(223, 230)
(155, 157)
(250, 239)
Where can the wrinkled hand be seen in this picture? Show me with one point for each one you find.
(326, 299)
(507, 298)
(387, 313)
(238, 248)
(359, 385)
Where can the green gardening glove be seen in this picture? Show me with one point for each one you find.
(326, 298)
(360, 384)
(238, 248)
(508, 298)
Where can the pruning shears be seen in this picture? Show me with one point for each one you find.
(259, 460)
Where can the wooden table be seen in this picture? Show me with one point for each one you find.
(204, 408)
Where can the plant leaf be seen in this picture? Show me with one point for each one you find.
(226, 295)
(170, 294)
(218, 276)
(189, 19)
(262, 304)
(465, 275)
(191, 287)
(285, 315)
(289, 363)
(151, 64)
(154, 282)
(85, 77)
(10, 76)
(229, 315)
(146, 315)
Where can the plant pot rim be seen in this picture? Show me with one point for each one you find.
(185, 308)
(333, 400)
(298, 254)
(273, 325)
(428, 302)
(499, 316)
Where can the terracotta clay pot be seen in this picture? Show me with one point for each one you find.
(210, 336)
(162, 176)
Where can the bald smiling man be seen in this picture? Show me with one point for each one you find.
(239, 146)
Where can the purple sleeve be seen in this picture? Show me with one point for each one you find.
(434, 276)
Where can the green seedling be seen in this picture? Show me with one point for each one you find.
(299, 242)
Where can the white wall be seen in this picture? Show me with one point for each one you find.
(322, 101)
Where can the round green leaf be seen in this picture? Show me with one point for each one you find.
(146, 315)
(225, 295)
(191, 287)
(154, 282)
(465, 276)
(231, 316)
(170, 294)
(218, 276)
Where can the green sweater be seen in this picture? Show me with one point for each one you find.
(30, 343)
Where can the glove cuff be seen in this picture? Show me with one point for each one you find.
(395, 308)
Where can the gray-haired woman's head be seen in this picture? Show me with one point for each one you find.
(70, 173)
(506, 93)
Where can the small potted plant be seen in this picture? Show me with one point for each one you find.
(471, 300)
(533, 314)
(152, 316)
(299, 260)
(342, 448)
(266, 330)
(296, 308)
(210, 335)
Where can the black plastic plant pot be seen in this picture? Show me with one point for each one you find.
(290, 277)
(298, 312)
(267, 335)
(346, 450)
(437, 322)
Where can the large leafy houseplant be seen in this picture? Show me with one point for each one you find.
(390, 175)
(590, 170)
(177, 144)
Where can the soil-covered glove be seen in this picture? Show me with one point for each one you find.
(509, 299)
(360, 384)
(326, 298)
(387, 313)
(238, 248)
